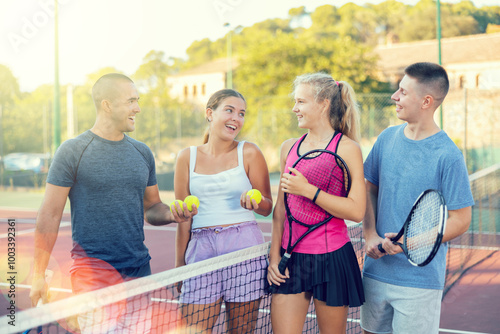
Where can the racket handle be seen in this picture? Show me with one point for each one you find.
(381, 249)
(283, 263)
(281, 267)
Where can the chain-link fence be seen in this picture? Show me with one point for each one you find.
(471, 117)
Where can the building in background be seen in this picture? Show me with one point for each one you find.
(196, 85)
(472, 62)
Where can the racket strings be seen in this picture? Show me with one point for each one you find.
(345, 176)
(424, 228)
(323, 171)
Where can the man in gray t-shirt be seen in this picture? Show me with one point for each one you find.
(110, 180)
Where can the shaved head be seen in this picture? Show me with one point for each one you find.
(106, 88)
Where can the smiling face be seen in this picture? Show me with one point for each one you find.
(409, 99)
(124, 106)
(228, 118)
(306, 108)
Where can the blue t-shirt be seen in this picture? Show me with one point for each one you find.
(402, 169)
(107, 180)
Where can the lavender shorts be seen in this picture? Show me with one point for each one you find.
(241, 282)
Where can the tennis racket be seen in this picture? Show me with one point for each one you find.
(325, 170)
(423, 229)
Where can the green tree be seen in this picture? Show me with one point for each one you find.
(24, 121)
(9, 87)
(324, 21)
(358, 23)
(420, 23)
(390, 16)
(152, 73)
(203, 51)
(487, 15)
(9, 92)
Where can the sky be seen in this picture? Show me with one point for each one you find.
(94, 34)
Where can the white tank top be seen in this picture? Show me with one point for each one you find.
(220, 193)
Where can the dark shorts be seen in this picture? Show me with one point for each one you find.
(334, 278)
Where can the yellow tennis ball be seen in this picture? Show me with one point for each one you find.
(172, 205)
(255, 194)
(190, 200)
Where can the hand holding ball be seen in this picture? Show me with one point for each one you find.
(190, 200)
(255, 194)
(173, 206)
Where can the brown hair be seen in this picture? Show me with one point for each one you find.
(432, 76)
(215, 100)
(344, 110)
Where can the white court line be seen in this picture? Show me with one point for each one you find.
(160, 228)
(21, 220)
(25, 286)
(31, 230)
(456, 331)
(474, 247)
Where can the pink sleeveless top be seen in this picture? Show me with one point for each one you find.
(327, 238)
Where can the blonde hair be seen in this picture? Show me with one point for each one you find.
(344, 109)
(214, 102)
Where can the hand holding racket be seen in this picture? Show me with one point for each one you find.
(329, 173)
(423, 229)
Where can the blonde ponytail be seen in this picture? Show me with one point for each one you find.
(344, 110)
(349, 121)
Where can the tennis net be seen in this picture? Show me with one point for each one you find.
(482, 239)
(154, 303)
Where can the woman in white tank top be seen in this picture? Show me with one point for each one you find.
(219, 173)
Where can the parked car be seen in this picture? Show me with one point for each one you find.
(36, 162)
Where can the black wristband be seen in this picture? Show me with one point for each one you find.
(316, 195)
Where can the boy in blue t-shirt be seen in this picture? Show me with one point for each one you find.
(406, 160)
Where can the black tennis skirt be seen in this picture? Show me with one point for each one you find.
(333, 278)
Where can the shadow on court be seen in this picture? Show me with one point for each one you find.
(472, 304)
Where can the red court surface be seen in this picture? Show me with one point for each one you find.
(470, 306)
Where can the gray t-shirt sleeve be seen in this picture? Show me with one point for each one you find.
(64, 166)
